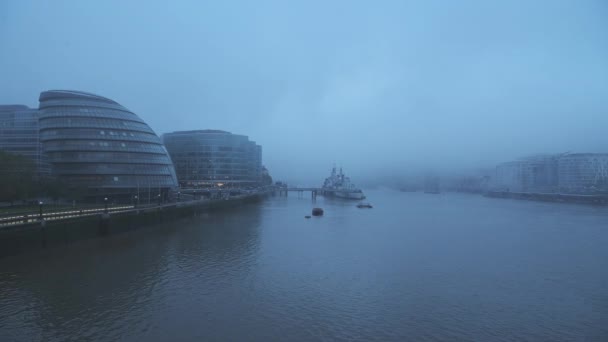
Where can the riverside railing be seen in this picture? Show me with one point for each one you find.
(16, 219)
(30, 217)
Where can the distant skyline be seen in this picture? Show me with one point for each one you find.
(380, 88)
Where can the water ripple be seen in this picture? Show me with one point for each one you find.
(416, 267)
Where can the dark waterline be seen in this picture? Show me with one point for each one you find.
(416, 267)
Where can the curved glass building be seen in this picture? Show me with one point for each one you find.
(94, 142)
(212, 157)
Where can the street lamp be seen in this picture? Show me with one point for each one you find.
(105, 202)
(40, 208)
(136, 201)
(158, 200)
(178, 195)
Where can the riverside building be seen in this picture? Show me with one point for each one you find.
(532, 174)
(95, 143)
(583, 173)
(19, 135)
(205, 158)
(569, 173)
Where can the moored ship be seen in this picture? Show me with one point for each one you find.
(338, 185)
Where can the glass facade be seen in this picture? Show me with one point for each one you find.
(19, 135)
(532, 174)
(211, 157)
(94, 142)
(574, 173)
(583, 173)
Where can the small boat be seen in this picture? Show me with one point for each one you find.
(317, 212)
(307, 216)
(364, 205)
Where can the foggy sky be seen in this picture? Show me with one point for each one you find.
(379, 87)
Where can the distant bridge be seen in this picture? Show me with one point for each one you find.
(304, 189)
(317, 189)
(314, 191)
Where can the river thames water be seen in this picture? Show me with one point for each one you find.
(419, 267)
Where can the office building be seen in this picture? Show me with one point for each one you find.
(583, 173)
(204, 158)
(95, 143)
(19, 135)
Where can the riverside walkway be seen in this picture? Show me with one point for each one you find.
(16, 219)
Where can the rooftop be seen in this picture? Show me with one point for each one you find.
(12, 108)
(204, 131)
(68, 94)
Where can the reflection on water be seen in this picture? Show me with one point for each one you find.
(110, 287)
(418, 267)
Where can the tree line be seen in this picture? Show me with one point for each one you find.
(19, 181)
